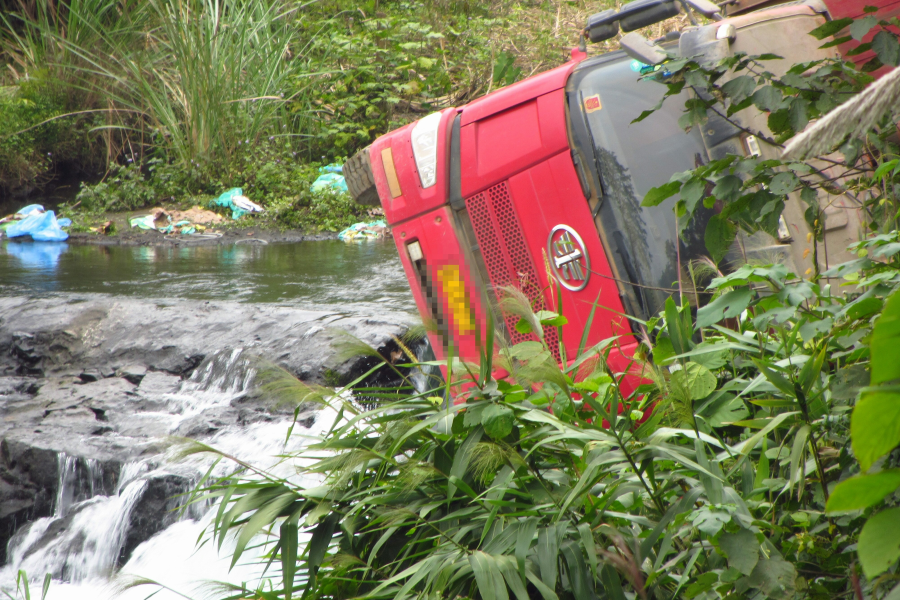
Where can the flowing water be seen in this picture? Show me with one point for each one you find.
(81, 544)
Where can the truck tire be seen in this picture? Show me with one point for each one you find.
(359, 178)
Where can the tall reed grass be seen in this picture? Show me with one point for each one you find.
(192, 78)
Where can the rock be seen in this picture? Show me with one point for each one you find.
(54, 335)
(156, 383)
(91, 375)
(108, 381)
(133, 373)
(156, 510)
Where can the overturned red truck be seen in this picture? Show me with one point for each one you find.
(539, 185)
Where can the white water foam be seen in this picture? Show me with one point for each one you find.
(85, 546)
(81, 559)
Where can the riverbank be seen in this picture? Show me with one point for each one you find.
(116, 229)
(249, 234)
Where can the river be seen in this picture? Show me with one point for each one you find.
(358, 278)
(105, 517)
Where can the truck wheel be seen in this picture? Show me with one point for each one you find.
(359, 178)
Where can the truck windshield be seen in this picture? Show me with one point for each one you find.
(625, 160)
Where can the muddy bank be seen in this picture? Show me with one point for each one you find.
(234, 234)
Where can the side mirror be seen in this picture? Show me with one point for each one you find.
(642, 13)
(602, 26)
(706, 8)
(641, 49)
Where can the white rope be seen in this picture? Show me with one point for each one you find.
(855, 117)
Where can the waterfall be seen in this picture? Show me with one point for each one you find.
(83, 544)
(221, 377)
(79, 479)
(80, 548)
(68, 465)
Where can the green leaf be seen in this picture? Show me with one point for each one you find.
(779, 121)
(741, 549)
(798, 448)
(739, 88)
(693, 382)
(799, 114)
(513, 579)
(472, 414)
(830, 28)
(288, 542)
(775, 378)
(577, 573)
(498, 421)
(462, 458)
(263, 516)
(884, 168)
(726, 306)
(774, 576)
(523, 326)
(523, 541)
(655, 196)
(488, 576)
(548, 317)
(546, 592)
(692, 192)
(728, 188)
(318, 545)
(879, 542)
(767, 98)
(704, 583)
(860, 27)
(762, 468)
(875, 427)
(884, 343)
(836, 42)
(863, 308)
(863, 491)
(678, 326)
(526, 350)
(729, 411)
(719, 236)
(783, 183)
(663, 350)
(811, 371)
(548, 553)
(774, 422)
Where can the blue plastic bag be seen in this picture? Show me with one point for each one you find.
(331, 178)
(232, 198)
(42, 227)
(31, 208)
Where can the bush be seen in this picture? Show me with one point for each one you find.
(32, 145)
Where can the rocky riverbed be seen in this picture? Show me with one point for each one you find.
(92, 386)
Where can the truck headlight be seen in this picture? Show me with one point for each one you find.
(424, 145)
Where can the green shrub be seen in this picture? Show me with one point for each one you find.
(31, 144)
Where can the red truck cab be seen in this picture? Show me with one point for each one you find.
(538, 185)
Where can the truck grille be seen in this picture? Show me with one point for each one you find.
(506, 255)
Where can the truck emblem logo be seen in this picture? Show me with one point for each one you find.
(569, 259)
